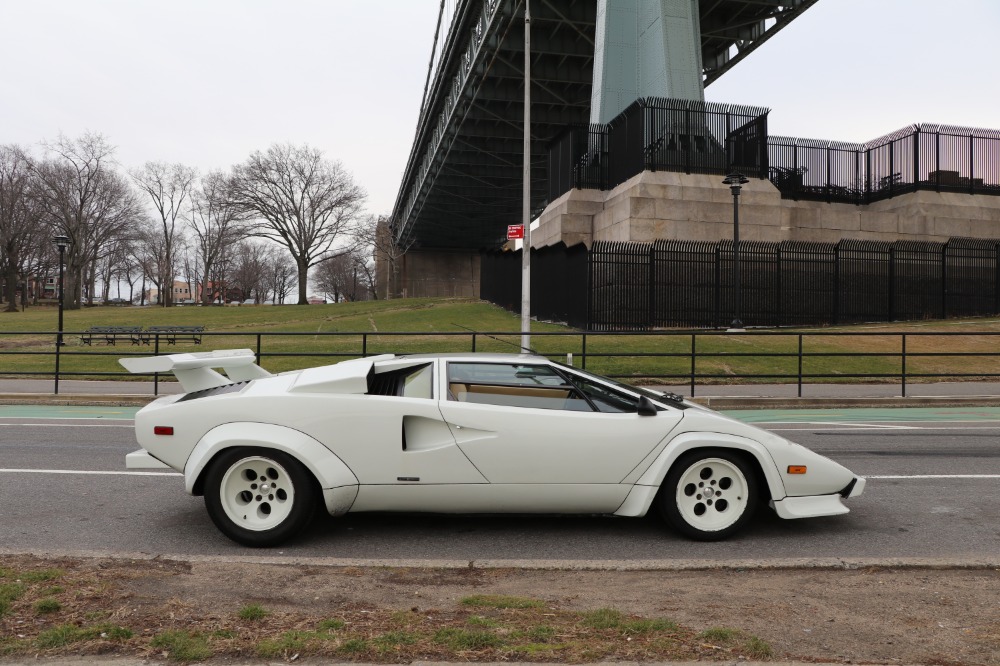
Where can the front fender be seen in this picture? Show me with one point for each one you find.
(644, 492)
(327, 468)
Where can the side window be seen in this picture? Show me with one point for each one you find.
(512, 385)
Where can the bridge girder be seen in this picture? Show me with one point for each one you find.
(462, 184)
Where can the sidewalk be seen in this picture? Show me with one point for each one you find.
(745, 396)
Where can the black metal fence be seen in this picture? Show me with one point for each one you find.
(558, 282)
(673, 357)
(641, 286)
(655, 134)
(658, 134)
(919, 157)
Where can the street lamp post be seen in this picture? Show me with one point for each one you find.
(61, 242)
(526, 191)
(735, 181)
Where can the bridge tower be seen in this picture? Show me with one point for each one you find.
(645, 48)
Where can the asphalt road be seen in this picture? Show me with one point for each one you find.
(933, 492)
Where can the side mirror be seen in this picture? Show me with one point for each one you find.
(646, 407)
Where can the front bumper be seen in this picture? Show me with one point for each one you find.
(813, 506)
(854, 488)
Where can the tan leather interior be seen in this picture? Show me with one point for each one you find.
(522, 396)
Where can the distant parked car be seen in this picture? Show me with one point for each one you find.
(463, 433)
(119, 301)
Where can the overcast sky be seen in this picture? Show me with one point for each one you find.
(206, 82)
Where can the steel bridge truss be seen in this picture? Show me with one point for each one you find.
(462, 183)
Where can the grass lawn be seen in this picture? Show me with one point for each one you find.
(290, 337)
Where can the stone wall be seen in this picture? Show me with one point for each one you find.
(668, 205)
(436, 273)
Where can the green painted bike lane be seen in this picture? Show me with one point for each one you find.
(866, 415)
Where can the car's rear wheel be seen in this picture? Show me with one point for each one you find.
(259, 497)
(709, 495)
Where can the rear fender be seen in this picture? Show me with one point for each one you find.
(644, 492)
(329, 470)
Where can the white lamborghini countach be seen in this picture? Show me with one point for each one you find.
(463, 433)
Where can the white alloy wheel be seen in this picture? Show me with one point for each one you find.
(259, 497)
(257, 493)
(709, 494)
(712, 494)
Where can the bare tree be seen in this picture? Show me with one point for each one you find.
(379, 236)
(249, 270)
(84, 198)
(332, 277)
(280, 274)
(306, 202)
(217, 225)
(125, 265)
(151, 257)
(346, 277)
(168, 185)
(18, 218)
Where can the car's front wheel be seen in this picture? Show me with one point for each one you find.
(709, 495)
(259, 497)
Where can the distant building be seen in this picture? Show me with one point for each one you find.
(181, 293)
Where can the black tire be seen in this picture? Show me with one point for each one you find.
(259, 497)
(709, 494)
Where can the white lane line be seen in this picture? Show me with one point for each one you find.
(114, 473)
(63, 425)
(935, 476)
(839, 425)
(90, 472)
(68, 417)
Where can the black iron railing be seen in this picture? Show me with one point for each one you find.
(638, 286)
(660, 357)
(677, 135)
(655, 134)
(559, 290)
(919, 157)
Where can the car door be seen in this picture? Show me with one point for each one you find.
(519, 423)
(395, 434)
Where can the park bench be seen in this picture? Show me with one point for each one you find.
(109, 335)
(174, 334)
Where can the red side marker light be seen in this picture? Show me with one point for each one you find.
(163, 430)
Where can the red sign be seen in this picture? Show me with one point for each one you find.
(515, 231)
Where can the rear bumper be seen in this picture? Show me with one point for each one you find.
(142, 460)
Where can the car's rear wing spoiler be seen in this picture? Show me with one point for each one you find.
(194, 371)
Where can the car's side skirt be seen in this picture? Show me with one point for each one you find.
(493, 498)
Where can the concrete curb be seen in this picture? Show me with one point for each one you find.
(759, 564)
(99, 660)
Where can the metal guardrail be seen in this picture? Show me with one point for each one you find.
(579, 352)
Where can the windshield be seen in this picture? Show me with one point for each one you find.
(652, 395)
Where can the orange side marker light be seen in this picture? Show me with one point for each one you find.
(796, 469)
